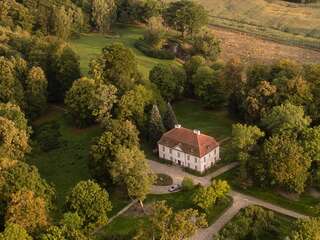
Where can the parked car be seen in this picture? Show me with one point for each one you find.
(175, 188)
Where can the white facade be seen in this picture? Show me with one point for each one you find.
(177, 156)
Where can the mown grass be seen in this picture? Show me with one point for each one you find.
(192, 114)
(296, 24)
(306, 204)
(89, 46)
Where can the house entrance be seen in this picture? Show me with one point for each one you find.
(179, 162)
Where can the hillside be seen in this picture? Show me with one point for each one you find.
(295, 23)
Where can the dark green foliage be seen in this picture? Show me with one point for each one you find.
(116, 65)
(47, 136)
(156, 128)
(169, 118)
(90, 202)
(152, 52)
(185, 16)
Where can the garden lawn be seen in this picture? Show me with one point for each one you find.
(192, 114)
(90, 45)
(183, 200)
(305, 205)
(65, 166)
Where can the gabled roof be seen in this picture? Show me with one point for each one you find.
(191, 142)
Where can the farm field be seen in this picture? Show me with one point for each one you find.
(89, 46)
(254, 49)
(296, 24)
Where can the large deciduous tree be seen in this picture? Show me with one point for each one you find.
(90, 202)
(103, 14)
(117, 65)
(206, 45)
(14, 232)
(306, 229)
(186, 16)
(28, 211)
(287, 161)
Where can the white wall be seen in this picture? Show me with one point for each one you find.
(180, 158)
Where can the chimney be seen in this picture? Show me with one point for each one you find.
(177, 126)
(196, 131)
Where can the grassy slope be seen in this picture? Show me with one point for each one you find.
(89, 46)
(273, 19)
(305, 205)
(192, 114)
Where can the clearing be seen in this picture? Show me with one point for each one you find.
(89, 46)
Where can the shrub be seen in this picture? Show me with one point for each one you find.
(48, 136)
(187, 184)
(152, 52)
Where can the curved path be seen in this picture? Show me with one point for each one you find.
(239, 200)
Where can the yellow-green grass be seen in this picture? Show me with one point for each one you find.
(297, 24)
(67, 165)
(306, 204)
(89, 46)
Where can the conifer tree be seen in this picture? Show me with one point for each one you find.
(169, 119)
(156, 128)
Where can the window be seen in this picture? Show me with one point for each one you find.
(170, 150)
(205, 158)
(188, 157)
(163, 148)
(195, 168)
(178, 154)
(195, 159)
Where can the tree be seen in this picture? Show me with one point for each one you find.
(13, 113)
(155, 34)
(206, 197)
(11, 89)
(28, 211)
(89, 101)
(167, 225)
(14, 232)
(244, 141)
(207, 86)
(151, 8)
(310, 141)
(286, 117)
(118, 134)
(91, 202)
(163, 77)
(131, 167)
(133, 104)
(156, 128)
(187, 183)
(62, 23)
(287, 162)
(206, 45)
(192, 65)
(169, 119)
(103, 14)
(251, 223)
(36, 92)
(306, 229)
(13, 141)
(185, 16)
(116, 65)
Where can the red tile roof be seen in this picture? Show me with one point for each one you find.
(190, 142)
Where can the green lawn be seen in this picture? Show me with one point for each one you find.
(305, 205)
(192, 114)
(65, 166)
(183, 200)
(89, 46)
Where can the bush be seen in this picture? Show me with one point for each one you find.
(152, 52)
(187, 184)
(48, 135)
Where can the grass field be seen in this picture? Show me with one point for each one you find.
(297, 24)
(305, 204)
(65, 166)
(89, 46)
(193, 115)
